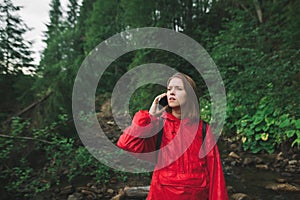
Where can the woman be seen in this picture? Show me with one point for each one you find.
(187, 177)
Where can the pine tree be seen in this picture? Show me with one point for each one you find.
(15, 53)
(52, 53)
(50, 67)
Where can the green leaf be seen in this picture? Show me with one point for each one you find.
(259, 128)
(269, 121)
(257, 137)
(258, 120)
(297, 123)
(290, 133)
(244, 123)
(297, 141)
(266, 128)
(285, 123)
(249, 132)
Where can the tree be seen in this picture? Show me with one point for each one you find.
(15, 53)
(52, 53)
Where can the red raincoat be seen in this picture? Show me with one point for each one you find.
(187, 177)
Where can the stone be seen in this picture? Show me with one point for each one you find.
(234, 155)
(230, 189)
(233, 146)
(281, 180)
(262, 166)
(240, 196)
(247, 161)
(67, 190)
(293, 162)
(258, 160)
(283, 187)
(137, 192)
(279, 156)
(110, 191)
(75, 196)
(119, 196)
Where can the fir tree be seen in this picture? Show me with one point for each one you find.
(15, 53)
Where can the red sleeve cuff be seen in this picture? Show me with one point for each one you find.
(143, 118)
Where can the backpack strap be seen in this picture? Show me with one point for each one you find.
(159, 136)
(203, 130)
(203, 133)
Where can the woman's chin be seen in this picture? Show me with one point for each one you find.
(174, 106)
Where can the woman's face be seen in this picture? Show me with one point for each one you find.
(176, 93)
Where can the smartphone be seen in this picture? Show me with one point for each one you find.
(163, 101)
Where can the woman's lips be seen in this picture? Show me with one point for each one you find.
(172, 99)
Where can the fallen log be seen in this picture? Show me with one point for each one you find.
(141, 191)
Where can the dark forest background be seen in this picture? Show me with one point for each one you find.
(254, 43)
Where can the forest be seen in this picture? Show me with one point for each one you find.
(254, 44)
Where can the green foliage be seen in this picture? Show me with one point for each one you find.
(15, 53)
(143, 97)
(267, 128)
(64, 160)
(260, 79)
(258, 60)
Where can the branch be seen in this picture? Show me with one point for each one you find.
(31, 106)
(258, 10)
(26, 138)
(34, 104)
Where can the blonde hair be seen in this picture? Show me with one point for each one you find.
(191, 109)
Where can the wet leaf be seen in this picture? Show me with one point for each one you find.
(264, 136)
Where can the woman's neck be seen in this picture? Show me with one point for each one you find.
(176, 112)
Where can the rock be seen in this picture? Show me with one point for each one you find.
(240, 196)
(75, 196)
(233, 163)
(113, 180)
(137, 192)
(262, 166)
(287, 174)
(233, 146)
(89, 185)
(89, 194)
(119, 196)
(110, 123)
(296, 157)
(293, 162)
(230, 189)
(285, 161)
(258, 160)
(279, 156)
(247, 161)
(234, 155)
(110, 191)
(283, 187)
(67, 190)
(281, 180)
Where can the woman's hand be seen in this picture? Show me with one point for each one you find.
(155, 108)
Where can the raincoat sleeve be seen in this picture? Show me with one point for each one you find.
(141, 136)
(217, 185)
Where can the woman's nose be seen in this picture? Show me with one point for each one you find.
(172, 91)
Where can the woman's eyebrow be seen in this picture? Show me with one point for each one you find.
(176, 86)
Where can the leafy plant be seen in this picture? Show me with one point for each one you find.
(267, 128)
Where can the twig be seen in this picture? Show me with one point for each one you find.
(26, 138)
(33, 104)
